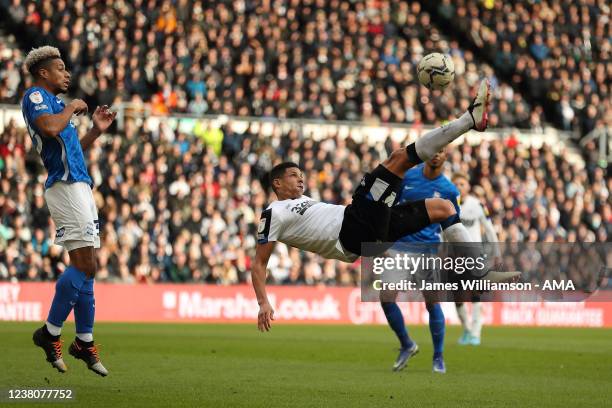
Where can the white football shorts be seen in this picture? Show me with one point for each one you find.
(74, 212)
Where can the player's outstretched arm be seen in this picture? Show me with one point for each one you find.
(50, 125)
(102, 118)
(258, 276)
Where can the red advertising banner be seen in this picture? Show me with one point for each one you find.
(237, 304)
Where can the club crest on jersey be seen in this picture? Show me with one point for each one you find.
(60, 232)
(36, 97)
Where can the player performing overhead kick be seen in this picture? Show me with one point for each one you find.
(337, 232)
(70, 201)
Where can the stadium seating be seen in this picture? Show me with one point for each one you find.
(344, 60)
(558, 52)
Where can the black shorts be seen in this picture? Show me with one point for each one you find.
(373, 217)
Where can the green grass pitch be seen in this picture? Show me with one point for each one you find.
(197, 365)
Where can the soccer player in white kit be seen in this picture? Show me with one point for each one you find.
(70, 200)
(336, 231)
(474, 217)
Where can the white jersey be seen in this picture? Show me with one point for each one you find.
(305, 224)
(474, 218)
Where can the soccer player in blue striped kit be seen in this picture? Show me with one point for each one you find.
(70, 200)
(422, 182)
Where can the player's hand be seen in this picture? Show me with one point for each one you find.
(79, 106)
(103, 117)
(265, 317)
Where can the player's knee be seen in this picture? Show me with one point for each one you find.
(85, 264)
(84, 259)
(439, 209)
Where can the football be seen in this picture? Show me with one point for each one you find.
(436, 71)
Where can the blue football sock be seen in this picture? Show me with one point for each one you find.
(396, 322)
(436, 327)
(84, 310)
(66, 295)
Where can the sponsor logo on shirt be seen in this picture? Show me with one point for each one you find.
(40, 107)
(302, 207)
(60, 232)
(36, 97)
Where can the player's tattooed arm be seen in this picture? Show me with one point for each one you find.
(50, 125)
(258, 276)
(102, 118)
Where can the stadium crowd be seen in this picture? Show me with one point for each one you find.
(179, 208)
(558, 52)
(327, 59)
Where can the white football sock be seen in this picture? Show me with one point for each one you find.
(431, 142)
(476, 320)
(53, 329)
(462, 313)
(86, 337)
(456, 233)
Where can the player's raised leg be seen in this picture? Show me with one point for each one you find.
(433, 141)
(379, 189)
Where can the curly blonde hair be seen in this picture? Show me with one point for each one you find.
(38, 55)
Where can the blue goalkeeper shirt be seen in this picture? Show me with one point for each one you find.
(62, 156)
